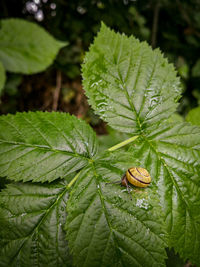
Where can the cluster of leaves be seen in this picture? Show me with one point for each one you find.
(60, 178)
(20, 54)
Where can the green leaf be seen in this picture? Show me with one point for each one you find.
(127, 83)
(31, 225)
(12, 84)
(172, 156)
(182, 67)
(25, 47)
(106, 228)
(44, 146)
(175, 118)
(2, 77)
(196, 69)
(194, 116)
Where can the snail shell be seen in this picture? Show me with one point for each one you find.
(138, 176)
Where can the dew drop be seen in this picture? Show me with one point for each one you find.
(142, 203)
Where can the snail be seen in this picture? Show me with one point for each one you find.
(136, 176)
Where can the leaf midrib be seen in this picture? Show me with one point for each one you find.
(59, 198)
(173, 180)
(104, 210)
(43, 147)
(132, 107)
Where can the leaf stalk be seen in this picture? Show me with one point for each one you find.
(73, 180)
(127, 141)
(115, 147)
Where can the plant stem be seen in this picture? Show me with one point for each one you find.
(57, 90)
(73, 180)
(155, 24)
(127, 141)
(110, 149)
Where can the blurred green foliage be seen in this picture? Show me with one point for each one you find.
(2, 77)
(30, 55)
(194, 116)
(173, 26)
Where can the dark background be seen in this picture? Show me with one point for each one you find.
(171, 25)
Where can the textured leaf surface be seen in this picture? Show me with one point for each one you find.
(127, 83)
(172, 155)
(194, 116)
(25, 47)
(44, 146)
(105, 228)
(2, 77)
(31, 225)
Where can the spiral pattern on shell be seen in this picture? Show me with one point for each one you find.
(138, 176)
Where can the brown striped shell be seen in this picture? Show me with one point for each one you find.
(138, 176)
